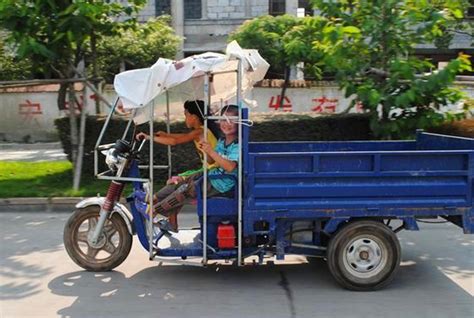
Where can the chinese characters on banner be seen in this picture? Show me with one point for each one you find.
(320, 105)
(30, 111)
(275, 103)
(324, 105)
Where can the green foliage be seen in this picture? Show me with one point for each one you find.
(298, 45)
(337, 127)
(369, 48)
(54, 34)
(370, 44)
(136, 48)
(266, 34)
(13, 68)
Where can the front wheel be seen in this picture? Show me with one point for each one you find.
(364, 255)
(113, 245)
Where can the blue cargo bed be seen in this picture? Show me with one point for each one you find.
(430, 176)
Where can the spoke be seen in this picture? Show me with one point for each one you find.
(109, 231)
(92, 222)
(109, 248)
(92, 252)
(82, 236)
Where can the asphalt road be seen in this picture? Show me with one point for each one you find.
(37, 279)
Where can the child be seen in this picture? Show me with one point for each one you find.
(224, 157)
(194, 119)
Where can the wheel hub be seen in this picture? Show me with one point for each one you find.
(100, 241)
(363, 256)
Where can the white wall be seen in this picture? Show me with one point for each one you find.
(28, 114)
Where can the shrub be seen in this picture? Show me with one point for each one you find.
(184, 157)
(463, 128)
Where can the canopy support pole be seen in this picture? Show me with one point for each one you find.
(207, 98)
(239, 183)
(101, 135)
(168, 130)
(150, 184)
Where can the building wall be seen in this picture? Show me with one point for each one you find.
(219, 19)
(28, 115)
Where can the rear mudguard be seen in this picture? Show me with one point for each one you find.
(118, 208)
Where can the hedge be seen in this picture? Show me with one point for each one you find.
(335, 127)
(463, 128)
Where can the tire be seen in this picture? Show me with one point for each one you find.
(364, 255)
(112, 249)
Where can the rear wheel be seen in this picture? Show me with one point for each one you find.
(113, 245)
(364, 255)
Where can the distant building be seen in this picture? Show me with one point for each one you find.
(205, 24)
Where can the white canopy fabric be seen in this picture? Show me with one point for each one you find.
(184, 79)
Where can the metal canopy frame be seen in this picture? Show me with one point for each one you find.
(207, 97)
(151, 167)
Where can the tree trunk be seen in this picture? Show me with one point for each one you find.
(94, 70)
(73, 124)
(80, 151)
(285, 85)
(62, 92)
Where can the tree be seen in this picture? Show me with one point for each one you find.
(370, 47)
(136, 48)
(266, 34)
(12, 67)
(55, 35)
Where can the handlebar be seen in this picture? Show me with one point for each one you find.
(106, 146)
(141, 145)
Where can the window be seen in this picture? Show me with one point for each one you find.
(308, 8)
(470, 10)
(276, 7)
(162, 7)
(192, 9)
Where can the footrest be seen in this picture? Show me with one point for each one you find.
(184, 239)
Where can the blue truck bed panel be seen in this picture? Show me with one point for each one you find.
(434, 172)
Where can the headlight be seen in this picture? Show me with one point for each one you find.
(117, 155)
(111, 159)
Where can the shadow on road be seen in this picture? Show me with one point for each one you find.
(24, 239)
(270, 291)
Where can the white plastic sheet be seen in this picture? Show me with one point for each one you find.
(184, 79)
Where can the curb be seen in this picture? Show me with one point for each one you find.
(54, 204)
(13, 146)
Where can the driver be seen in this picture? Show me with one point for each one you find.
(223, 159)
(194, 119)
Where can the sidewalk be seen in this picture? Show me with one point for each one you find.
(44, 151)
(60, 204)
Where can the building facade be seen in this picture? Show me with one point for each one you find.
(205, 24)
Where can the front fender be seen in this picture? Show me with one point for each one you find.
(119, 208)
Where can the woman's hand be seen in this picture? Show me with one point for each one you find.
(141, 136)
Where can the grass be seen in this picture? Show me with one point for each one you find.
(44, 179)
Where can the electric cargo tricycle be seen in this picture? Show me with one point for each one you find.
(343, 201)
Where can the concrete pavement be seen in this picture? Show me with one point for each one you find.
(37, 279)
(44, 151)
